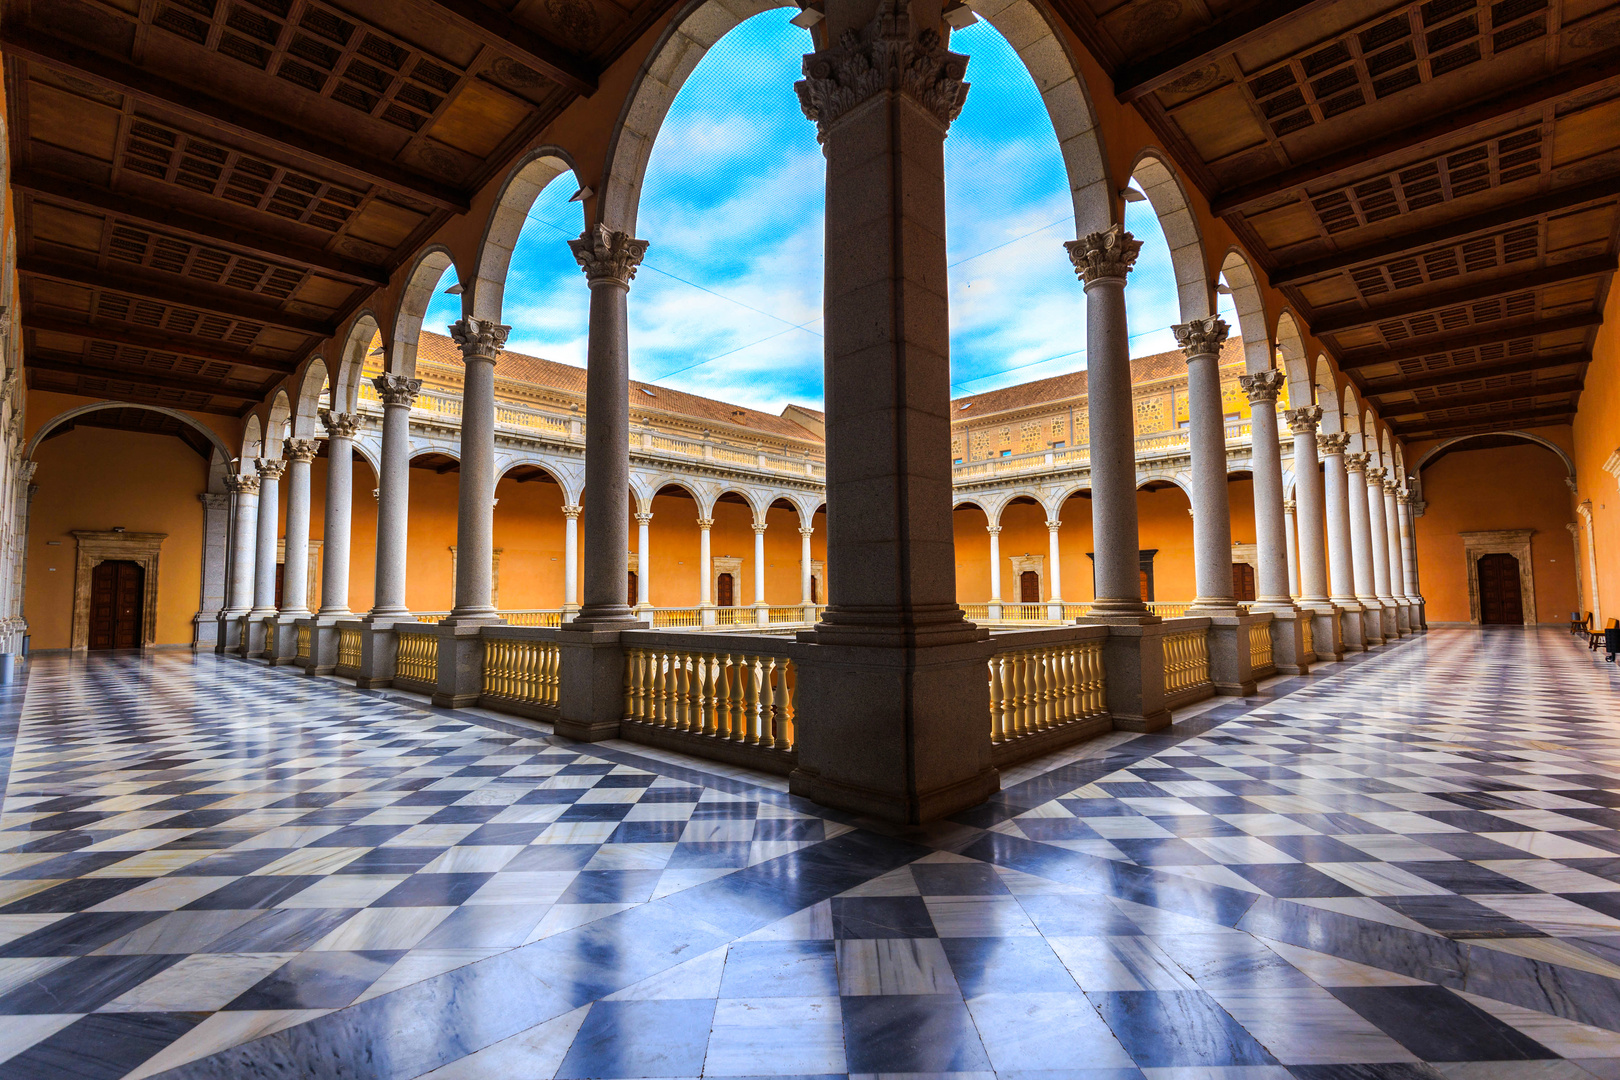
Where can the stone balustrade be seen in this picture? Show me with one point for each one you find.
(1186, 662)
(1048, 688)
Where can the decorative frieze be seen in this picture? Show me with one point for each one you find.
(1103, 256)
(607, 255)
(888, 55)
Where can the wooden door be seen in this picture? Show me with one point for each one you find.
(1500, 601)
(725, 592)
(815, 590)
(281, 579)
(117, 595)
(1242, 581)
(1144, 586)
(1029, 587)
(632, 589)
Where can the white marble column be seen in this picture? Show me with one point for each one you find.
(1054, 555)
(1378, 543)
(571, 559)
(643, 559)
(1310, 509)
(807, 570)
(1361, 554)
(1336, 495)
(397, 394)
(705, 562)
(295, 579)
(216, 557)
(340, 432)
(1201, 341)
(995, 563)
(1403, 503)
(481, 341)
(1290, 530)
(1271, 534)
(1102, 260)
(264, 571)
(244, 534)
(760, 606)
(1392, 534)
(609, 260)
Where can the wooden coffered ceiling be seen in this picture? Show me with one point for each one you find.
(207, 188)
(1433, 185)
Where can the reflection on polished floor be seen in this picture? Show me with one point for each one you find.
(1407, 866)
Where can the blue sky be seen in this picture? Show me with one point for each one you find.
(728, 301)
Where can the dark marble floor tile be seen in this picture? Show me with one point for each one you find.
(359, 836)
(1162, 1029)
(957, 879)
(72, 865)
(280, 930)
(596, 812)
(1294, 880)
(1049, 829)
(1398, 1070)
(254, 892)
(1437, 1025)
(1476, 821)
(1162, 852)
(1468, 846)
(1459, 917)
(104, 1046)
(317, 980)
(881, 917)
(647, 832)
(73, 895)
(1317, 849)
(1076, 916)
(391, 860)
(1462, 876)
(640, 1038)
(1007, 965)
(78, 934)
(83, 985)
(789, 829)
(911, 1034)
(550, 796)
(552, 857)
(432, 890)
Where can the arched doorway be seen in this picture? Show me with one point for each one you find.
(1501, 601)
(117, 604)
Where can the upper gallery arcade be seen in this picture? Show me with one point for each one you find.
(1390, 233)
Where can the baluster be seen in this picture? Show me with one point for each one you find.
(722, 704)
(753, 720)
(1043, 672)
(788, 734)
(737, 721)
(685, 721)
(1015, 694)
(998, 730)
(661, 677)
(767, 709)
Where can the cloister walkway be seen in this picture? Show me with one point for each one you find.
(1406, 862)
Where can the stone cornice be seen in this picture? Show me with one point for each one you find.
(889, 54)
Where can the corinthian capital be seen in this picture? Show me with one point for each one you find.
(25, 471)
(270, 468)
(1303, 421)
(341, 425)
(607, 255)
(397, 389)
(1333, 443)
(1356, 462)
(1100, 256)
(243, 484)
(302, 449)
(481, 338)
(1262, 387)
(890, 54)
(1201, 337)
(1376, 475)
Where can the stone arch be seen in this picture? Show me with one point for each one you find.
(221, 451)
(1327, 396)
(1444, 447)
(524, 182)
(1386, 455)
(352, 360)
(252, 439)
(1251, 311)
(755, 508)
(306, 421)
(700, 24)
(807, 505)
(1159, 182)
(413, 304)
(1175, 480)
(1350, 415)
(277, 425)
(1065, 494)
(1296, 364)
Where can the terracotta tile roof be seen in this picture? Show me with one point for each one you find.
(1144, 369)
(515, 367)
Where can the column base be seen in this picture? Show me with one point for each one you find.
(707, 616)
(895, 733)
(1133, 660)
(461, 664)
(762, 615)
(590, 700)
(993, 611)
(1403, 617)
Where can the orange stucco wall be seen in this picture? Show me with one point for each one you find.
(95, 478)
(1596, 437)
(1509, 487)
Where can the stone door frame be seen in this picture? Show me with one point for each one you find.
(96, 547)
(1515, 542)
(726, 564)
(1022, 564)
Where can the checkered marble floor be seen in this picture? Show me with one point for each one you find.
(1404, 867)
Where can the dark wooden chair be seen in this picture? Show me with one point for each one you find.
(1595, 637)
(1580, 624)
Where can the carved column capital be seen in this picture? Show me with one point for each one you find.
(243, 484)
(705, 523)
(480, 339)
(572, 512)
(759, 526)
(1356, 462)
(890, 54)
(25, 470)
(1336, 442)
(1054, 524)
(1201, 337)
(342, 425)
(397, 389)
(1105, 255)
(214, 501)
(270, 468)
(644, 518)
(1391, 486)
(1403, 495)
(993, 530)
(1303, 421)
(807, 531)
(303, 449)
(1288, 506)
(1375, 473)
(1263, 387)
(607, 255)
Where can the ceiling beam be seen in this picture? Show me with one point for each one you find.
(1487, 422)
(17, 42)
(136, 338)
(192, 227)
(1464, 294)
(182, 293)
(1480, 371)
(517, 41)
(1401, 243)
(211, 409)
(1430, 346)
(1137, 79)
(1484, 397)
(155, 379)
(1448, 123)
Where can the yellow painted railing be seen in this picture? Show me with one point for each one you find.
(1305, 624)
(735, 616)
(428, 617)
(1076, 611)
(418, 657)
(348, 646)
(1023, 613)
(742, 697)
(1186, 659)
(303, 642)
(524, 670)
(1166, 610)
(1260, 645)
(976, 612)
(676, 618)
(787, 614)
(270, 637)
(551, 617)
(1035, 689)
